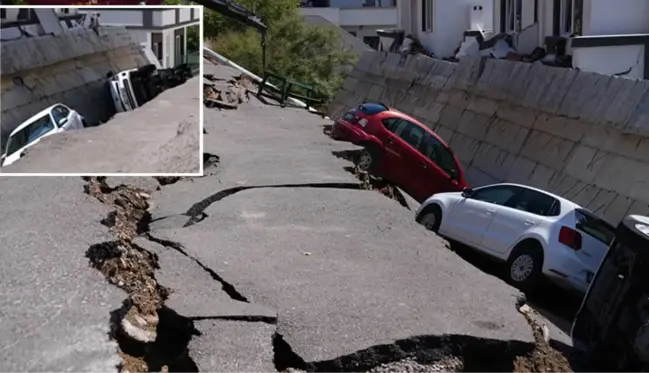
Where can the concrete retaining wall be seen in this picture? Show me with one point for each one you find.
(580, 135)
(70, 68)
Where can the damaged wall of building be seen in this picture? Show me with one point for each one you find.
(581, 135)
(69, 68)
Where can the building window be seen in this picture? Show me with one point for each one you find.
(513, 13)
(566, 16)
(427, 15)
(3, 13)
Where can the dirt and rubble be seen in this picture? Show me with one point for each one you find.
(150, 336)
(224, 93)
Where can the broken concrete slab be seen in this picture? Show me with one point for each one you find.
(162, 136)
(55, 308)
(196, 292)
(233, 346)
(348, 274)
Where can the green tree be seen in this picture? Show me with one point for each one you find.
(305, 53)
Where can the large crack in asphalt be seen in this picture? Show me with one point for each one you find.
(196, 212)
(153, 337)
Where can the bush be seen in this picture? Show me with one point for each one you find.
(308, 54)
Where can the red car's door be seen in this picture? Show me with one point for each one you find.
(439, 163)
(397, 154)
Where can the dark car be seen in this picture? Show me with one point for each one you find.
(401, 149)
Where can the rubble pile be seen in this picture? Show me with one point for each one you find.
(226, 94)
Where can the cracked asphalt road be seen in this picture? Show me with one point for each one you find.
(305, 263)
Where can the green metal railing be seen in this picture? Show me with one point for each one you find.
(285, 88)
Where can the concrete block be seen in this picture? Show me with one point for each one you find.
(445, 133)
(516, 114)
(467, 72)
(477, 177)
(540, 177)
(540, 78)
(518, 83)
(474, 125)
(450, 116)
(551, 151)
(408, 103)
(439, 74)
(464, 147)
(375, 93)
(597, 97)
(586, 195)
(585, 163)
(420, 66)
(395, 98)
(623, 175)
(521, 170)
(506, 135)
(375, 67)
(482, 105)
(570, 129)
(615, 86)
(614, 141)
(350, 83)
(364, 62)
(617, 210)
(564, 185)
(431, 111)
(494, 79)
(638, 208)
(603, 198)
(494, 161)
(580, 93)
(637, 122)
(626, 103)
(458, 98)
(551, 100)
(391, 64)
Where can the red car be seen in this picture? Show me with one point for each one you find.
(401, 149)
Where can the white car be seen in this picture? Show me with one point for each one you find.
(56, 118)
(537, 233)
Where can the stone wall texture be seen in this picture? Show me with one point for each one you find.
(70, 68)
(581, 135)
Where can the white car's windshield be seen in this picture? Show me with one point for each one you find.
(29, 134)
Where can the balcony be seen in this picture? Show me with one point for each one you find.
(362, 16)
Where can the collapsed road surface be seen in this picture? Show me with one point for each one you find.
(277, 259)
(162, 136)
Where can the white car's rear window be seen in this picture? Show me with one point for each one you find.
(29, 134)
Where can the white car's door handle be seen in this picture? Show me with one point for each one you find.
(490, 212)
(529, 222)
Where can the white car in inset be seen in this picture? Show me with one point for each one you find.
(537, 233)
(56, 118)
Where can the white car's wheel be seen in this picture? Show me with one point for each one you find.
(525, 266)
(431, 218)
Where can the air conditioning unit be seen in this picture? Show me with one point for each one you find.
(476, 18)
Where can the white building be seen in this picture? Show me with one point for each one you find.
(439, 25)
(163, 30)
(604, 36)
(361, 18)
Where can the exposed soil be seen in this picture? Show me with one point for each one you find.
(150, 336)
(226, 94)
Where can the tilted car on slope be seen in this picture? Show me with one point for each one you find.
(54, 119)
(537, 233)
(401, 149)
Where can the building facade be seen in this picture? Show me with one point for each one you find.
(164, 31)
(602, 36)
(361, 18)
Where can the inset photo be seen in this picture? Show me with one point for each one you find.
(90, 90)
